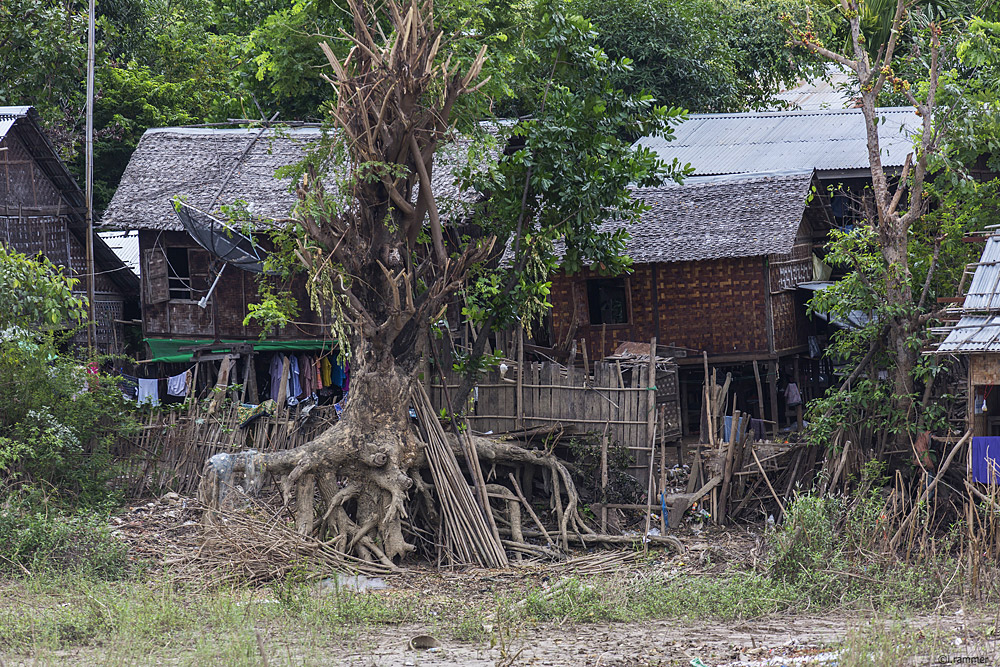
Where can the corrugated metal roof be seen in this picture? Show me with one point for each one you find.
(14, 112)
(741, 143)
(126, 246)
(973, 333)
(984, 291)
(978, 329)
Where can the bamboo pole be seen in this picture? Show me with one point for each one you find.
(760, 391)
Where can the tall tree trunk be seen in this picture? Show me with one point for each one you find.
(370, 448)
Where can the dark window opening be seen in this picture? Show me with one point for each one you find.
(179, 273)
(608, 301)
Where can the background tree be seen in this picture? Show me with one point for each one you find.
(909, 248)
(705, 55)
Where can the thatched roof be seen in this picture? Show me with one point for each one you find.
(193, 163)
(713, 218)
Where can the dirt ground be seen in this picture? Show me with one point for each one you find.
(952, 635)
(778, 640)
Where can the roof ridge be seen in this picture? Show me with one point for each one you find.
(796, 112)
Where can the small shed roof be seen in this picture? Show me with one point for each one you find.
(713, 218)
(195, 162)
(978, 329)
(125, 244)
(829, 141)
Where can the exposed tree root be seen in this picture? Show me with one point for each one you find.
(354, 486)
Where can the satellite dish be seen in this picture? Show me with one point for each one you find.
(221, 240)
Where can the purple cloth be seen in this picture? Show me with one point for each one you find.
(986, 459)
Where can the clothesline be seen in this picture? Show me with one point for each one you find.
(147, 390)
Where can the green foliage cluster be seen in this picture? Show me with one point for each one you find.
(174, 62)
(566, 168)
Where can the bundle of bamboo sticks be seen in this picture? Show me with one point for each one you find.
(466, 534)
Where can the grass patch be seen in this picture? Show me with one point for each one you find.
(65, 611)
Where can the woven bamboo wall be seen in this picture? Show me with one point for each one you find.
(36, 220)
(714, 305)
(172, 448)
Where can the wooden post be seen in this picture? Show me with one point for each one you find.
(682, 393)
(192, 392)
(586, 363)
(651, 399)
(772, 382)
(727, 476)
(760, 392)
(709, 391)
(604, 479)
(520, 376)
(798, 383)
(247, 373)
(222, 384)
(663, 469)
(650, 426)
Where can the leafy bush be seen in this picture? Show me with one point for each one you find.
(35, 542)
(59, 414)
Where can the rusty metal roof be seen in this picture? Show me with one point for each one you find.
(825, 140)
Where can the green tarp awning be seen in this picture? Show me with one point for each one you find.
(166, 349)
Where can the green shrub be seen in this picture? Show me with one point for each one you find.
(808, 540)
(31, 543)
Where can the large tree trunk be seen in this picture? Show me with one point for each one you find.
(360, 467)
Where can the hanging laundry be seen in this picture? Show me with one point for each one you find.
(177, 385)
(305, 376)
(294, 386)
(275, 372)
(327, 369)
(792, 396)
(347, 376)
(337, 375)
(149, 391)
(318, 372)
(129, 385)
(986, 459)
